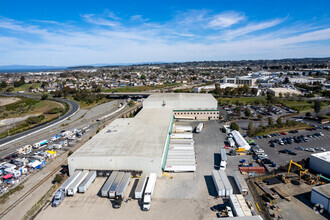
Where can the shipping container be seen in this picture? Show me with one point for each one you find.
(140, 186)
(237, 210)
(106, 186)
(245, 208)
(186, 153)
(226, 183)
(182, 141)
(120, 191)
(259, 170)
(181, 147)
(73, 188)
(199, 127)
(183, 128)
(115, 184)
(240, 182)
(182, 167)
(87, 182)
(67, 183)
(180, 157)
(221, 191)
(182, 136)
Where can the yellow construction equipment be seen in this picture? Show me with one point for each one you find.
(301, 171)
(241, 149)
(168, 175)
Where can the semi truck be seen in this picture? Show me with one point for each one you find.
(120, 191)
(40, 144)
(140, 186)
(73, 188)
(149, 191)
(231, 142)
(199, 127)
(108, 183)
(223, 163)
(115, 184)
(87, 182)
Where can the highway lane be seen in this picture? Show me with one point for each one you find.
(84, 121)
(73, 108)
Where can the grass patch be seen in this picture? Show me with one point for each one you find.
(272, 130)
(242, 101)
(26, 87)
(141, 88)
(4, 198)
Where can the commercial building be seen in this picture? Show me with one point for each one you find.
(140, 143)
(320, 162)
(241, 81)
(284, 91)
(321, 195)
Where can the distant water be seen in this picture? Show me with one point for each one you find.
(30, 70)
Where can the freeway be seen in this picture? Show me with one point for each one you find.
(73, 108)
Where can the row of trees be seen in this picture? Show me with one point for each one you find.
(79, 95)
(234, 91)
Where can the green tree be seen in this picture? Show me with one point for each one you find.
(280, 95)
(3, 84)
(308, 114)
(251, 129)
(238, 111)
(44, 96)
(234, 126)
(279, 122)
(58, 178)
(143, 77)
(248, 112)
(317, 106)
(270, 121)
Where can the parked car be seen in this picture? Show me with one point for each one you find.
(320, 149)
(299, 148)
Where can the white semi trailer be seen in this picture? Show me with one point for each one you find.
(73, 188)
(149, 191)
(87, 182)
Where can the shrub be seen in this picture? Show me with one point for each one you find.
(58, 178)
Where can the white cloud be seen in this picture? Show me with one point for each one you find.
(91, 18)
(226, 19)
(180, 39)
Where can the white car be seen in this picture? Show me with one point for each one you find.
(320, 149)
(311, 149)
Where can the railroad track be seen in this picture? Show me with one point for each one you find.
(7, 210)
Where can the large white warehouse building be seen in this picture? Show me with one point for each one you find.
(140, 143)
(320, 162)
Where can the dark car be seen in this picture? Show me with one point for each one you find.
(291, 152)
(267, 161)
(272, 144)
(284, 151)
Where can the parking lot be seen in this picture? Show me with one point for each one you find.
(282, 159)
(185, 196)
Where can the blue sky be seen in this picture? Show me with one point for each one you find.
(107, 32)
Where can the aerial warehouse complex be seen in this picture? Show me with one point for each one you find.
(141, 143)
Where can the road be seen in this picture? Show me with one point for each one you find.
(73, 108)
(82, 119)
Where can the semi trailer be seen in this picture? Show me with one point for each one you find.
(149, 191)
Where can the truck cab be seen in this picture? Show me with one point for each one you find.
(58, 198)
(223, 165)
(146, 202)
(117, 202)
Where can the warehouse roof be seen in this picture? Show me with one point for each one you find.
(284, 90)
(142, 136)
(323, 189)
(181, 101)
(323, 156)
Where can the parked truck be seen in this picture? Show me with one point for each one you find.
(115, 184)
(140, 186)
(73, 188)
(223, 163)
(106, 187)
(87, 182)
(149, 191)
(120, 192)
(231, 142)
(58, 198)
(199, 127)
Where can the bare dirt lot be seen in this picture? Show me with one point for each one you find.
(8, 100)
